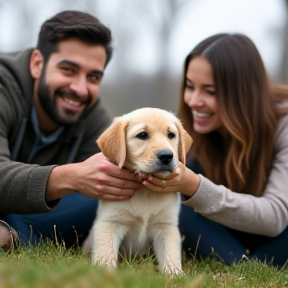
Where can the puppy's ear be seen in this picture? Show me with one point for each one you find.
(185, 142)
(112, 141)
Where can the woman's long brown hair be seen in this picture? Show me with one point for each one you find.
(249, 107)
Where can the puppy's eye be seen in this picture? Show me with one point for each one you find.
(142, 135)
(171, 135)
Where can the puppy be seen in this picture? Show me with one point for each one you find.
(147, 141)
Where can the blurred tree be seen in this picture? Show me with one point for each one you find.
(157, 19)
(22, 12)
(162, 17)
(131, 21)
(26, 16)
(142, 29)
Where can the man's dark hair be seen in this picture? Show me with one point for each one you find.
(69, 24)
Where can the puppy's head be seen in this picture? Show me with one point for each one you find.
(147, 140)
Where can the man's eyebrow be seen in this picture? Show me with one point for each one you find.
(76, 65)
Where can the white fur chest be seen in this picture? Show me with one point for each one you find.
(134, 223)
(144, 204)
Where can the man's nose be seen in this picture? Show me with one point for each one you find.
(79, 85)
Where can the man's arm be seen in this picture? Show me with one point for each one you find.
(95, 177)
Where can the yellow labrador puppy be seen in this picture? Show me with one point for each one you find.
(147, 141)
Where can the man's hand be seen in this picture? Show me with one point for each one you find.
(95, 178)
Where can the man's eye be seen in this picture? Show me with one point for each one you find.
(171, 135)
(66, 69)
(94, 78)
(142, 135)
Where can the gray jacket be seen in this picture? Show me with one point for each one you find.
(22, 184)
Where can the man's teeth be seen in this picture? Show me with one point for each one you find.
(72, 102)
(201, 115)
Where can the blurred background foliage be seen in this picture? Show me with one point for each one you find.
(152, 37)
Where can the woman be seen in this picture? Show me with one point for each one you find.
(238, 203)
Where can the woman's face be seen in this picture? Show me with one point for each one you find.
(199, 95)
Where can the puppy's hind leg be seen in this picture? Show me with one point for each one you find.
(106, 240)
(167, 247)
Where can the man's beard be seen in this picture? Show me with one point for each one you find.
(49, 103)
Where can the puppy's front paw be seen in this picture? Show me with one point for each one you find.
(103, 261)
(173, 271)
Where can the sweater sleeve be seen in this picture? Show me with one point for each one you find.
(22, 186)
(266, 215)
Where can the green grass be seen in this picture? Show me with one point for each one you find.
(50, 266)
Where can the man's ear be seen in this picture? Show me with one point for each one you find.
(36, 64)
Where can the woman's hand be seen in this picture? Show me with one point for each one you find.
(181, 180)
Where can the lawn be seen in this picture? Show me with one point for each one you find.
(50, 266)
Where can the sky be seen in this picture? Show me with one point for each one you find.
(261, 20)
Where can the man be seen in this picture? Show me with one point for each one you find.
(50, 118)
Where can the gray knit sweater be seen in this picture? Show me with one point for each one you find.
(265, 215)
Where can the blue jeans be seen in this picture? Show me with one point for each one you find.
(70, 222)
(201, 235)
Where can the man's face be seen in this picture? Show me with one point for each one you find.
(69, 83)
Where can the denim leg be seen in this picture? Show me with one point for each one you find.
(274, 250)
(201, 235)
(70, 222)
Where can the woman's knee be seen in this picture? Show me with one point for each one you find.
(204, 238)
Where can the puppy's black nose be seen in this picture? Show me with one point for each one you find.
(165, 156)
